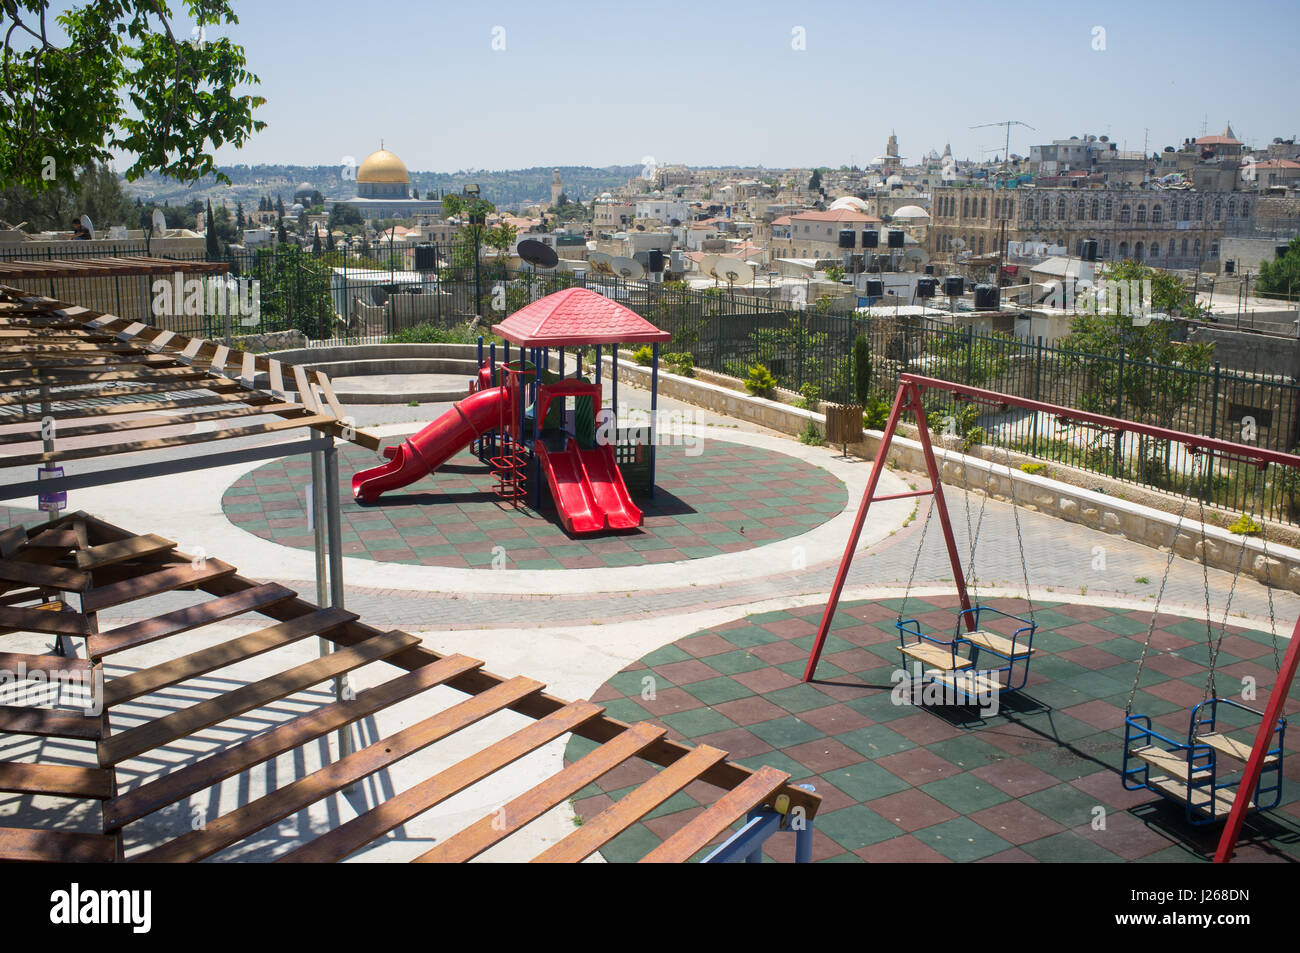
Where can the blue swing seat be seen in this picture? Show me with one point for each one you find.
(1202, 774)
(954, 662)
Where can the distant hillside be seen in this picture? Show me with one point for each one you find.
(502, 188)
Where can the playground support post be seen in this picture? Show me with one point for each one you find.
(328, 463)
(654, 408)
(907, 398)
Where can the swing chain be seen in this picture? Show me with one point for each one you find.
(1020, 539)
(916, 561)
(1164, 580)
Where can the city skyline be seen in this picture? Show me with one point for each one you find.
(519, 86)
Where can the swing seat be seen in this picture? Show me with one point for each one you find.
(1203, 774)
(956, 669)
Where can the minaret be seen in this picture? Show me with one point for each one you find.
(556, 187)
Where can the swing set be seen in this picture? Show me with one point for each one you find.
(1203, 771)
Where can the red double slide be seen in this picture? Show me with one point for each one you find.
(433, 446)
(588, 488)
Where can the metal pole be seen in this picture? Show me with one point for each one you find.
(654, 408)
(334, 534)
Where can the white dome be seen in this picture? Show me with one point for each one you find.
(911, 211)
(851, 202)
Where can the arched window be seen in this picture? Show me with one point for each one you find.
(1095, 206)
(984, 207)
(1157, 215)
(1060, 208)
(1142, 212)
(1155, 250)
(1200, 210)
(1027, 210)
(1108, 210)
(1245, 208)
(1196, 248)
(1105, 248)
(981, 251)
(1232, 208)
(1047, 210)
(1184, 248)
(1125, 213)
(1079, 210)
(1011, 208)
(965, 206)
(1187, 210)
(1123, 249)
(1137, 251)
(1218, 210)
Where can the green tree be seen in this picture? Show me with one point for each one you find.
(862, 369)
(1281, 277)
(295, 291)
(112, 77)
(815, 181)
(210, 234)
(501, 238)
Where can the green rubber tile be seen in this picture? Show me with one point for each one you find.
(875, 741)
(667, 654)
(962, 840)
(785, 732)
(733, 663)
(1069, 847)
(865, 782)
(967, 751)
(964, 793)
(714, 691)
(1065, 804)
(800, 698)
(855, 827)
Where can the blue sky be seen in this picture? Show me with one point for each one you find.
(709, 82)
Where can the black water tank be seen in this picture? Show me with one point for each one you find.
(925, 287)
(1229, 266)
(929, 269)
(426, 258)
(953, 285)
(656, 261)
(986, 297)
(846, 238)
(895, 238)
(871, 239)
(875, 288)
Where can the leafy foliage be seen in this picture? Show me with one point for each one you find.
(862, 368)
(1281, 276)
(122, 82)
(760, 381)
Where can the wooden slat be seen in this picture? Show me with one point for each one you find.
(152, 583)
(248, 371)
(355, 834)
(1223, 797)
(288, 800)
(218, 363)
(999, 644)
(180, 783)
(49, 621)
(306, 397)
(55, 780)
(630, 808)
(328, 390)
(43, 577)
(467, 844)
(125, 426)
(152, 679)
(183, 620)
(720, 815)
(277, 378)
(935, 655)
(12, 539)
(1231, 746)
(56, 847)
(969, 683)
(122, 550)
(55, 665)
(49, 723)
(1172, 763)
(167, 729)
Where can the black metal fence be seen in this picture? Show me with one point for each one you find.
(379, 296)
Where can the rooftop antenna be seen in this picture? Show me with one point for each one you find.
(1008, 123)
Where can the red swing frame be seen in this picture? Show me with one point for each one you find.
(911, 388)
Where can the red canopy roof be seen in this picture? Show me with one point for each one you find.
(577, 316)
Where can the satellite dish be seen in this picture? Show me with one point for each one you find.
(629, 269)
(916, 254)
(159, 223)
(538, 254)
(733, 271)
(707, 263)
(601, 263)
(959, 243)
(88, 225)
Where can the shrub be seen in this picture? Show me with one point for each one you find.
(875, 413)
(433, 334)
(862, 369)
(760, 381)
(811, 435)
(644, 355)
(1033, 467)
(681, 363)
(1245, 526)
(810, 396)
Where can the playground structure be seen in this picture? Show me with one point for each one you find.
(531, 425)
(1214, 776)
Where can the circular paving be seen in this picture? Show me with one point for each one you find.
(906, 783)
(724, 498)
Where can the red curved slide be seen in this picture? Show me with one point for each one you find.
(588, 488)
(433, 446)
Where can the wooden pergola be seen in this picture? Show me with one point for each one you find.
(100, 566)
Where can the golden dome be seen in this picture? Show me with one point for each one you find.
(383, 168)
